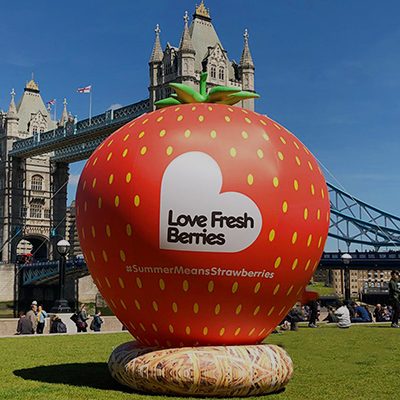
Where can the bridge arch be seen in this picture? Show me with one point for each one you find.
(38, 245)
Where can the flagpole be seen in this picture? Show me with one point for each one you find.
(90, 107)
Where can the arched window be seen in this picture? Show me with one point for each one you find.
(221, 74)
(213, 72)
(37, 182)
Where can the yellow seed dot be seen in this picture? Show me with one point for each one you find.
(230, 109)
(277, 262)
(159, 119)
(245, 134)
(137, 304)
(162, 133)
(210, 108)
(318, 214)
(154, 327)
(113, 304)
(92, 255)
(277, 126)
(266, 137)
(248, 120)
(227, 119)
(280, 155)
(105, 256)
(309, 240)
(123, 304)
(322, 193)
(125, 153)
(276, 289)
(296, 185)
(85, 206)
(306, 213)
(238, 309)
(275, 181)
(298, 160)
(285, 207)
(99, 283)
(282, 140)
(233, 152)
(109, 157)
(175, 307)
(187, 133)
(297, 146)
(307, 265)
(156, 341)
(194, 108)
(235, 287)
(210, 286)
(217, 309)
(116, 201)
(169, 343)
(126, 137)
(185, 285)
(271, 310)
(201, 118)
(108, 230)
(260, 153)
(95, 161)
(213, 134)
(161, 284)
(205, 331)
(128, 230)
(122, 255)
(252, 331)
(84, 185)
(83, 233)
(306, 150)
(111, 179)
(300, 289)
(143, 150)
(221, 332)
(108, 282)
(141, 134)
(139, 282)
(320, 241)
(195, 308)
(237, 331)
(256, 310)
(282, 310)
(263, 122)
(155, 306)
(128, 177)
(271, 235)
(94, 182)
(93, 232)
(310, 165)
(294, 265)
(171, 329)
(312, 190)
(136, 201)
(250, 179)
(180, 118)
(188, 330)
(289, 291)
(169, 150)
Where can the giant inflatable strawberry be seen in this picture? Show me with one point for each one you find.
(202, 223)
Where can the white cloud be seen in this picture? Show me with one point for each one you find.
(74, 179)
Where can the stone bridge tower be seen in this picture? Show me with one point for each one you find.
(33, 192)
(199, 50)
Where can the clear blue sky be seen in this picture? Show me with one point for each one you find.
(328, 70)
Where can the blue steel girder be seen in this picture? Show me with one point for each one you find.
(355, 221)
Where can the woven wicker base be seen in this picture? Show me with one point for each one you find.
(221, 371)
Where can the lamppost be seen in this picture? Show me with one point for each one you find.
(61, 305)
(346, 259)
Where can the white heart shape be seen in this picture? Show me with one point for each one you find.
(196, 216)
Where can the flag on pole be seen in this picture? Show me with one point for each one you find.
(52, 102)
(85, 89)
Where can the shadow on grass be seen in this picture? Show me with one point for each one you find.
(94, 375)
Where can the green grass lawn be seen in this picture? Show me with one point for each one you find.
(320, 288)
(362, 362)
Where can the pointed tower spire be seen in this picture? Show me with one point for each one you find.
(157, 54)
(64, 116)
(12, 109)
(186, 44)
(246, 60)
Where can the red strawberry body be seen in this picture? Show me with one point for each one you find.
(202, 224)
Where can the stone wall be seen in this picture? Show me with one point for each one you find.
(7, 281)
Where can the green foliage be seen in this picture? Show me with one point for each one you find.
(329, 364)
(320, 288)
(219, 94)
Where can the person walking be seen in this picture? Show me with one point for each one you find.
(394, 293)
(97, 321)
(81, 323)
(41, 320)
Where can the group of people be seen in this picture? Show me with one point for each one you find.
(34, 321)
